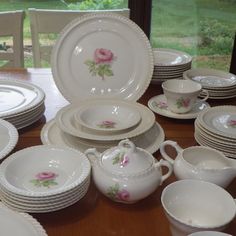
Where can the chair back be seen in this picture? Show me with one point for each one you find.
(11, 28)
(52, 22)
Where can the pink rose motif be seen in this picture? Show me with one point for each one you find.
(46, 175)
(123, 195)
(124, 161)
(186, 102)
(232, 123)
(102, 55)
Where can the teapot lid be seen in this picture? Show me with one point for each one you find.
(126, 159)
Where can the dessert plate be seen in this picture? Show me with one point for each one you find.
(21, 224)
(52, 135)
(107, 116)
(158, 104)
(66, 122)
(8, 138)
(102, 55)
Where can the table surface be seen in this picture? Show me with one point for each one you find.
(95, 214)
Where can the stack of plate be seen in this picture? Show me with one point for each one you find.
(21, 224)
(219, 84)
(102, 123)
(216, 127)
(44, 178)
(170, 64)
(22, 103)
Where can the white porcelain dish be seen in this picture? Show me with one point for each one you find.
(211, 78)
(18, 96)
(21, 224)
(8, 138)
(170, 57)
(44, 170)
(158, 104)
(106, 115)
(52, 135)
(102, 56)
(65, 121)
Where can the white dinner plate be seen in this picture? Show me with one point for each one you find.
(18, 96)
(102, 56)
(8, 138)
(158, 104)
(21, 224)
(52, 135)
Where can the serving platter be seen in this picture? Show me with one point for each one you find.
(102, 56)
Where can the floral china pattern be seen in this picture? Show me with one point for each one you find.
(121, 158)
(182, 102)
(161, 104)
(107, 124)
(231, 123)
(116, 194)
(101, 63)
(45, 179)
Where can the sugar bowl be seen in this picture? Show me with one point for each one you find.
(126, 173)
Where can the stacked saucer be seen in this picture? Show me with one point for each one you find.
(22, 103)
(216, 127)
(219, 84)
(170, 64)
(102, 123)
(44, 178)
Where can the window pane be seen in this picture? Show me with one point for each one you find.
(203, 28)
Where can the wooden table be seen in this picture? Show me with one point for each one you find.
(96, 214)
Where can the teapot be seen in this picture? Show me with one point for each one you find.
(201, 162)
(126, 173)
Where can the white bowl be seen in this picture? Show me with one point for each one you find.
(44, 170)
(209, 233)
(108, 115)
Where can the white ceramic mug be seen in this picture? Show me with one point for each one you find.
(194, 205)
(181, 95)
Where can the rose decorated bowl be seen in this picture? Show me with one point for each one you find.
(44, 170)
(126, 173)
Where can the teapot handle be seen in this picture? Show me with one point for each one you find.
(163, 152)
(92, 155)
(169, 167)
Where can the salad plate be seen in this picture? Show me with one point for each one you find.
(158, 104)
(8, 138)
(52, 135)
(102, 56)
(66, 122)
(22, 224)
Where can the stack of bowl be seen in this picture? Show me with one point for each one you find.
(170, 64)
(102, 123)
(44, 178)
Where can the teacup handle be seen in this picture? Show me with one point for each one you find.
(206, 96)
(92, 154)
(163, 152)
(166, 164)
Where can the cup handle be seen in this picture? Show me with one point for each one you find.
(163, 152)
(166, 164)
(206, 96)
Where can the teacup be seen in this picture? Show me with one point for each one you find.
(181, 95)
(200, 162)
(194, 205)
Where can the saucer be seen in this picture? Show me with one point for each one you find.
(159, 105)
